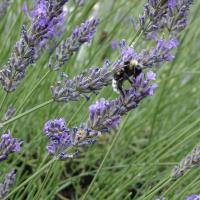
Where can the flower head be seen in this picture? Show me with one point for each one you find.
(114, 44)
(80, 35)
(89, 81)
(159, 54)
(56, 126)
(190, 161)
(8, 182)
(193, 197)
(58, 134)
(101, 115)
(8, 145)
(169, 15)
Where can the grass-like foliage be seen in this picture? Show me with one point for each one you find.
(99, 99)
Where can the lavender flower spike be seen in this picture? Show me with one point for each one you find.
(164, 15)
(46, 18)
(7, 183)
(8, 145)
(147, 58)
(90, 81)
(193, 197)
(190, 161)
(9, 114)
(82, 34)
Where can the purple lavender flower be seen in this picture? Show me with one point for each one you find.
(193, 197)
(158, 55)
(46, 18)
(172, 4)
(57, 126)
(8, 182)
(9, 113)
(169, 15)
(80, 35)
(146, 58)
(102, 116)
(8, 145)
(59, 136)
(114, 45)
(190, 161)
(90, 81)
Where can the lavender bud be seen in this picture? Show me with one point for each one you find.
(8, 145)
(9, 113)
(90, 81)
(193, 197)
(159, 15)
(190, 161)
(82, 34)
(8, 182)
(114, 44)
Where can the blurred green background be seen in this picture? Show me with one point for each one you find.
(152, 138)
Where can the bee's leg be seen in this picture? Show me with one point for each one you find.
(120, 88)
(129, 80)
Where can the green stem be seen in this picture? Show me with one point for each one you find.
(27, 112)
(104, 159)
(157, 188)
(3, 100)
(44, 182)
(30, 178)
(31, 92)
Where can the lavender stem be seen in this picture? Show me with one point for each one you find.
(104, 159)
(26, 112)
(3, 100)
(31, 92)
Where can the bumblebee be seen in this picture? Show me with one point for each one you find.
(131, 68)
(81, 134)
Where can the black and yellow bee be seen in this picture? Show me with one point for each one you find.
(131, 68)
